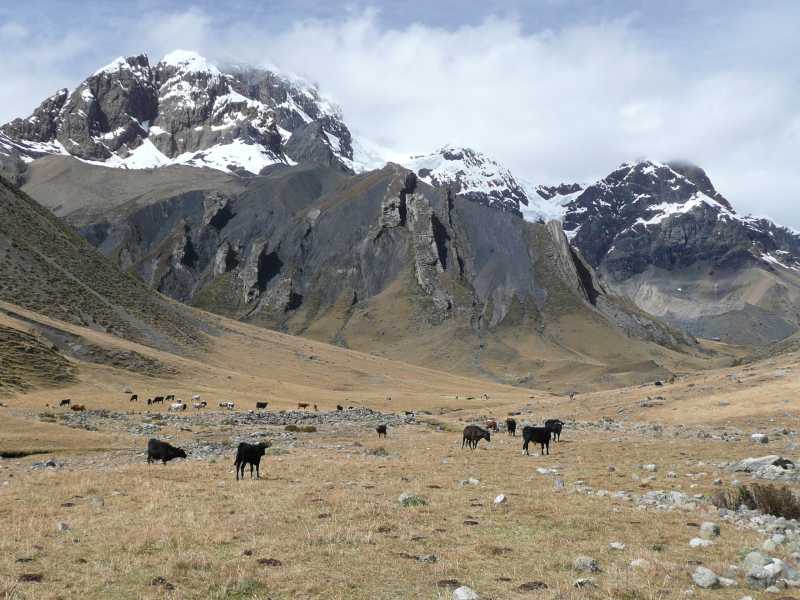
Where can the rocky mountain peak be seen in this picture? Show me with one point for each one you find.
(471, 175)
(184, 110)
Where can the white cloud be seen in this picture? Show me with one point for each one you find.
(13, 31)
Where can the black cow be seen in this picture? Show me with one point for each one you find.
(64, 402)
(538, 435)
(157, 450)
(158, 399)
(511, 425)
(170, 398)
(474, 434)
(339, 407)
(555, 426)
(261, 404)
(249, 454)
(134, 398)
(381, 429)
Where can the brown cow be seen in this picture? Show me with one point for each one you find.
(78, 407)
(491, 424)
(302, 405)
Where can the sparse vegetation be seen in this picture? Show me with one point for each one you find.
(771, 499)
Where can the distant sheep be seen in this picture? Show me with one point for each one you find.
(474, 434)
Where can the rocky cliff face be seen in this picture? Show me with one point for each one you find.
(183, 110)
(380, 261)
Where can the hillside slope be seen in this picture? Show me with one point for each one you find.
(47, 268)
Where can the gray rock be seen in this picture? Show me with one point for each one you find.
(586, 564)
(700, 543)
(62, 526)
(616, 546)
(639, 563)
(652, 468)
(465, 593)
(709, 530)
(500, 499)
(584, 583)
(409, 499)
(470, 481)
(705, 578)
(760, 438)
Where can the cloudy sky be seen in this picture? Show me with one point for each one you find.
(558, 90)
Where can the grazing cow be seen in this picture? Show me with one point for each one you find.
(157, 450)
(555, 426)
(196, 398)
(78, 407)
(491, 424)
(302, 405)
(261, 405)
(409, 413)
(229, 405)
(339, 407)
(538, 435)
(511, 425)
(169, 398)
(158, 400)
(65, 402)
(134, 398)
(199, 405)
(381, 429)
(176, 406)
(249, 454)
(474, 434)
(572, 395)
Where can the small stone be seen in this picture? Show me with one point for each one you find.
(470, 481)
(726, 582)
(709, 530)
(611, 468)
(700, 543)
(705, 578)
(639, 563)
(769, 546)
(62, 526)
(717, 481)
(96, 501)
(559, 484)
(586, 564)
(760, 438)
(500, 499)
(616, 546)
(465, 593)
(427, 558)
(652, 468)
(583, 583)
(672, 475)
(409, 499)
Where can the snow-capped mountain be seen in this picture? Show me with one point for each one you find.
(662, 235)
(184, 110)
(471, 175)
(649, 203)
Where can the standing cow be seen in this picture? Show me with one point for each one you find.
(249, 454)
(474, 434)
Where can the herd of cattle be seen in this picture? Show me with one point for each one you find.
(251, 454)
(538, 435)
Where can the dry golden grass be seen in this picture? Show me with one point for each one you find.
(191, 528)
(203, 533)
